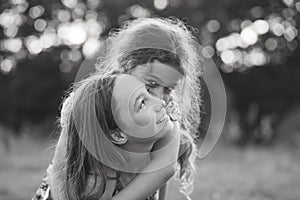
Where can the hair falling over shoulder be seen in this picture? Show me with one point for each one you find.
(75, 165)
(137, 42)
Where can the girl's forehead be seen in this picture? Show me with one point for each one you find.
(126, 86)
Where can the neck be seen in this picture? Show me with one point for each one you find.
(138, 146)
(139, 156)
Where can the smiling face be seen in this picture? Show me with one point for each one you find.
(160, 79)
(138, 113)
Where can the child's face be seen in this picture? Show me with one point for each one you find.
(160, 78)
(138, 113)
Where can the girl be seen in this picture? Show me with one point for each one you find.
(77, 172)
(160, 53)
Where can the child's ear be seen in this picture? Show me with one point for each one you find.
(118, 137)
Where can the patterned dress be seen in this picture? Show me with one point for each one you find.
(44, 192)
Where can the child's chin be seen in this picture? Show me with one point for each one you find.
(168, 127)
(165, 129)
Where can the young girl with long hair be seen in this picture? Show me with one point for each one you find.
(78, 171)
(162, 54)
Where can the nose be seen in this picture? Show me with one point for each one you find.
(157, 92)
(158, 104)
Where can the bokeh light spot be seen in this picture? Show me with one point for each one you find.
(36, 11)
(74, 55)
(40, 25)
(64, 15)
(160, 4)
(288, 2)
(233, 39)
(65, 66)
(16, 2)
(228, 57)
(11, 31)
(247, 61)
(213, 26)
(297, 5)
(69, 3)
(290, 33)
(94, 28)
(278, 29)
(14, 45)
(257, 12)
(257, 57)
(271, 44)
(79, 11)
(93, 4)
(9, 18)
(235, 25)
(7, 65)
(208, 51)
(245, 24)
(138, 11)
(48, 39)
(222, 44)
(72, 33)
(261, 27)
(22, 7)
(227, 68)
(91, 14)
(288, 13)
(90, 47)
(34, 45)
(292, 45)
(249, 36)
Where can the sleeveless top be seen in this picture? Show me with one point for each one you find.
(44, 191)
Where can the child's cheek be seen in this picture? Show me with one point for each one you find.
(141, 120)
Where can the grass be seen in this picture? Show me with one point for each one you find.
(229, 173)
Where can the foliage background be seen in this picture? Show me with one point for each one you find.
(254, 44)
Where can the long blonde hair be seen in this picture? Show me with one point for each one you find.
(168, 40)
(73, 160)
(127, 47)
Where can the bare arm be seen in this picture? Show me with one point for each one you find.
(160, 169)
(163, 192)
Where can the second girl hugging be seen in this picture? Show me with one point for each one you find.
(130, 126)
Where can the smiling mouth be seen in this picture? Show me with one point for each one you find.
(162, 119)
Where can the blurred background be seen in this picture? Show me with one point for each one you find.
(253, 42)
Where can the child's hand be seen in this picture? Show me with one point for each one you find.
(173, 110)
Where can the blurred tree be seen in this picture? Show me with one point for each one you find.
(264, 91)
(42, 43)
(32, 92)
